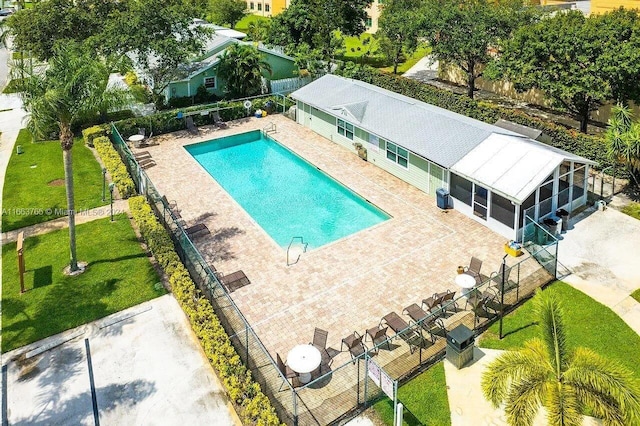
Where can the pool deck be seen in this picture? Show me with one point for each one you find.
(346, 285)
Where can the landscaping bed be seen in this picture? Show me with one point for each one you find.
(118, 276)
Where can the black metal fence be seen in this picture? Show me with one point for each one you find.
(346, 389)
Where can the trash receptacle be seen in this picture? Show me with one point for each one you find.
(460, 346)
(19, 149)
(564, 215)
(442, 198)
(551, 223)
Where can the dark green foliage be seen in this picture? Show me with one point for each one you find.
(226, 12)
(591, 147)
(243, 67)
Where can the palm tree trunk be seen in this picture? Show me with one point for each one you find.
(66, 141)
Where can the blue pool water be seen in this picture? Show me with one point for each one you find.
(284, 194)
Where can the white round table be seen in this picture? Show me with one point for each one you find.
(136, 138)
(303, 359)
(467, 282)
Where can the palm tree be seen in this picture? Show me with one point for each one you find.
(565, 382)
(242, 67)
(73, 86)
(623, 139)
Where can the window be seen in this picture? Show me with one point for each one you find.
(251, 6)
(368, 22)
(267, 8)
(210, 82)
(578, 182)
(259, 6)
(345, 129)
(480, 201)
(461, 189)
(502, 210)
(397, 154)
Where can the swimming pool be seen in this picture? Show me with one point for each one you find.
(284, 194)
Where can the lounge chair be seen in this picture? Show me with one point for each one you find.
(448, 302)
(172, 205)
(146, 163)
(509, 284)
(474, 269)
(233, 281)
(412, 337)
(141, 155)
(287, 372)
(428, 322)
(320, 342)
(378, 335)
(218, 121)
(482, 309)
(354, 345)
(191, 127)
(432, 304)
(196, 231)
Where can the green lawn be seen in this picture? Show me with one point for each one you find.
(632, 209)
(636, 295)
(243, 24)
(34, 187)
(422, 51)
(355, 48)
(119, 275)
(589, 324)
(425, 400)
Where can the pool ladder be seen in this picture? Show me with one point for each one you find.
(270, 128)
(299, 249)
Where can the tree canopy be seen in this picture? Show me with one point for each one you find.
(227, 11)
(242, 66)
(399, 29)
(463, 33)
(579, 62)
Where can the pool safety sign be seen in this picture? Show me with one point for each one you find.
(387, 384)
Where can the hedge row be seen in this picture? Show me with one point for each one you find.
(115, 166)
(168, 121)
(90, 133)
(588, 146)
(254, 406)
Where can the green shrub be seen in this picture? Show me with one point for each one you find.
(90, 133)
(254, 406)
(591, 147)
(115, 166)
(130, 78)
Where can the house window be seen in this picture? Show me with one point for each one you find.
(368, 22)
(345, 129)
(267, 8)
(210, 82)
(259, 6)
(461, 189)
(397, 154)
(251, 6)
(502, 210)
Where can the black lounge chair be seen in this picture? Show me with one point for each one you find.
(191, 127)
(141, 155)
(474, 269)
(146, 163)
(412, 337)
(378, 335)
(234, 280)
(447, 302)
(509, 284)
(218, 121)
(354, 345)
(432, 303)
(428, 322)
(197, 231)
(287, 372)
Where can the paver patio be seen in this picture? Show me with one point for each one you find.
(343, 286)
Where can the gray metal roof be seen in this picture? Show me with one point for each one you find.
(434, 133)
(519, 128)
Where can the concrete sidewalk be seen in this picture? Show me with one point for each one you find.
(84, 216)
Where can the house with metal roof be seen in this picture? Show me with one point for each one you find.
(493, 175)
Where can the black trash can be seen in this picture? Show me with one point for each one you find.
(460, 346)
(564, 215)
(552, 225)
(442, 198)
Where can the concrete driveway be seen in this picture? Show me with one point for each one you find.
(139, 366)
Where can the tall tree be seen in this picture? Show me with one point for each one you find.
(315, 22)
(74, 85)
(579, 62)
(399, 29)
(229, 12)
(242, 66)
(257, 30)
(623, 140)
(463, 32)
(547, 373)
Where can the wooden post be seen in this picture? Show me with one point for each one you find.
(20, 251)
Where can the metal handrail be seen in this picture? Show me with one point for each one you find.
(304, 249)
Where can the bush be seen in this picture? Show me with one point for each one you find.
(90, 133)
(115, 166)
(591, 147)
(254, 406)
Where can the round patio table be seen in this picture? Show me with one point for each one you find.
(467, 282)
(303, 359)
(136, 138)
